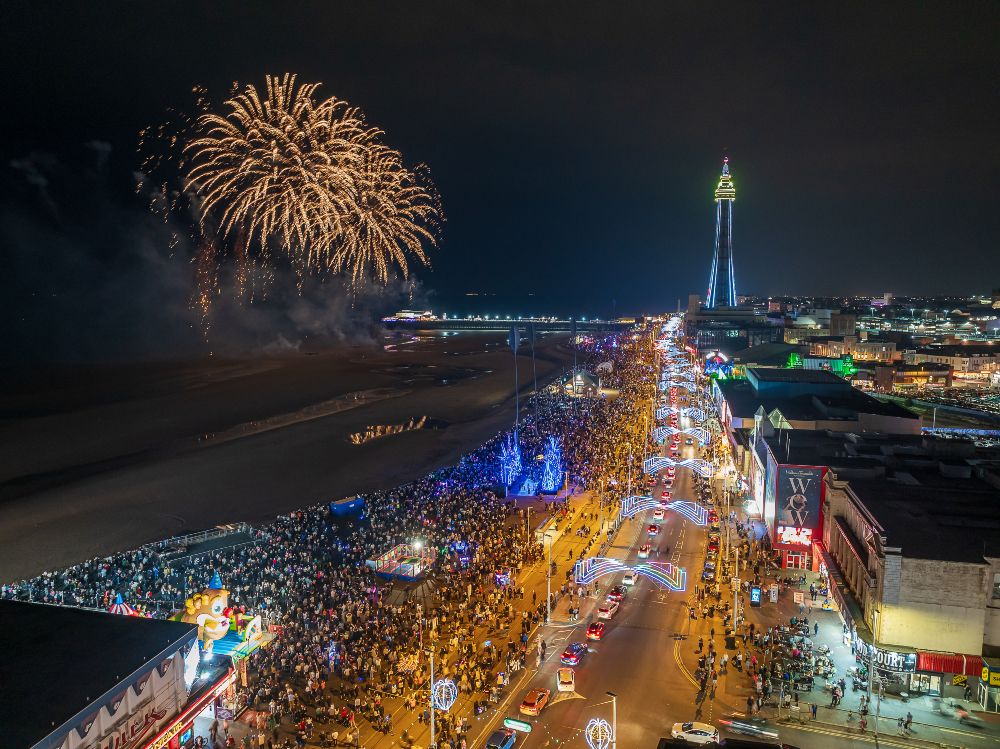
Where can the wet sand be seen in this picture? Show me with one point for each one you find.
(101, 460)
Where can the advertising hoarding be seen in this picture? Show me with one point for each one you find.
(769, 492)
(798, 496)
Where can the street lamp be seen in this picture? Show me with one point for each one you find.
(614, 719)
(548, 578)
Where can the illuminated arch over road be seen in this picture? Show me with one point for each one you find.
(695, 414)
(652, 465)
(661, 433)
(632, 506)
(590, 569)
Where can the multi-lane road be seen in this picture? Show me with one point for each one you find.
(646, 657)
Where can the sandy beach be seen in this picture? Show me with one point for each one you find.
(103, 459)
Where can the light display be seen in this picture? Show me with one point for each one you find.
(722, 261)
(598, 733)
(552, 470)
(590, 569)
(656, 464)
(510, 461)
(445, 694)
(796, 536)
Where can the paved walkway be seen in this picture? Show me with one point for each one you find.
(565, 551)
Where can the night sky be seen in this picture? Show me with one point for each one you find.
(576, 146)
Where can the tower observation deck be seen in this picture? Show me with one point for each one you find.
(722, 284)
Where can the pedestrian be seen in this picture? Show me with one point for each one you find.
(814, 711)
(909, 720)
(899, 727)
(815, 628)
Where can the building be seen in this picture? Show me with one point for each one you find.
(80, 679)
(899, 376)
(906, 530)
(582, 383)
(721, 283)
(966, 359)
(728, 329)
(806, 399)
(858, 349)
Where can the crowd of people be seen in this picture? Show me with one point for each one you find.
(346, 643)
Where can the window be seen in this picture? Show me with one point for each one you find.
(996, 585)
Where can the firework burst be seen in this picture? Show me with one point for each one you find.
(308, 180)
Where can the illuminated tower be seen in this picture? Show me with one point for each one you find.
(722, 279)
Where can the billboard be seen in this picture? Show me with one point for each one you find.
(798, 497)
(770, 491)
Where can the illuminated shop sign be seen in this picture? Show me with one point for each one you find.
(887, 660)
(796, 536)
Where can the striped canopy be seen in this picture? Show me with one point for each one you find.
(120, 607)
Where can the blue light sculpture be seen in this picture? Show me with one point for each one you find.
(552, 470)
(510, 461)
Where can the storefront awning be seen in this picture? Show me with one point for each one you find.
(950, 663)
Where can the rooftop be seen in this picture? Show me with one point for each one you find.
(60, 661)
(812, 376)
(934, 498)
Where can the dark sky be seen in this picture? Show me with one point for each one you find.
(576, 146)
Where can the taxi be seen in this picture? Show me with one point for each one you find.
(565, 680)
(595, 631)
(644, 551)
(653, 530)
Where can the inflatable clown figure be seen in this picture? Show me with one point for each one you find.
(210, 609)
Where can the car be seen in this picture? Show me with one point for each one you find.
(668, 482)
(651, 481)
(608, 610)
(695, 733)
(663, 495)
(658, 512)
(502, 738)
(675, 454)
(653, 530)
(595, 631)
(565, 680)
(644, 551)
(748, 729)
(688, 441)
(708, 574)
(630, 578)
(535, 700)
(617, 593)
(574, 653)
(714, 527)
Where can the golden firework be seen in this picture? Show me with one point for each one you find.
(310, 180)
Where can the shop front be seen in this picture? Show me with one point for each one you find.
(893, 665)
(798, 495)
(989, 685)
(945, 674)
(795, 545)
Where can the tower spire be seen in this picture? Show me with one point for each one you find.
(722, 261)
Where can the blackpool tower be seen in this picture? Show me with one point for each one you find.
(722, 284)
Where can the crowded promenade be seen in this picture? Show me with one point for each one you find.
(352, 649)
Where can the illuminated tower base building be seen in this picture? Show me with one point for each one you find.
(722, 283)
